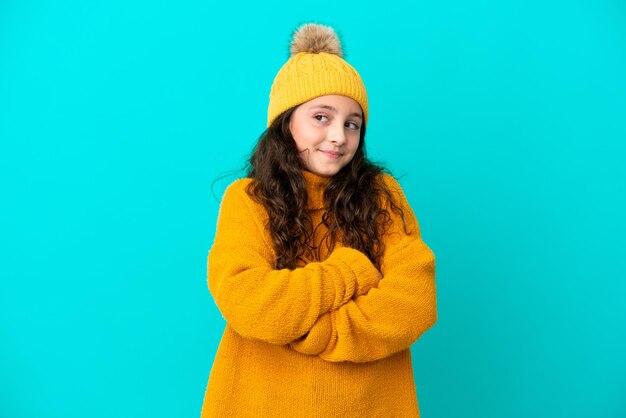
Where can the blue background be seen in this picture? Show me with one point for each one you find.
(506, 119)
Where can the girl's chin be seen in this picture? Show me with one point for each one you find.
(324, 173)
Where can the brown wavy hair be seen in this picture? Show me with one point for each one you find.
(352, 199)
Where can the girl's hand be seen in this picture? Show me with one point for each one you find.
(363, 290)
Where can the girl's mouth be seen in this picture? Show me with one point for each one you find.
(331, 154)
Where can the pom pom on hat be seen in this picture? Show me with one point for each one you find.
(315, 38)
(315, 68)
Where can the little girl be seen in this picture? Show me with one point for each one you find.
(318, 266)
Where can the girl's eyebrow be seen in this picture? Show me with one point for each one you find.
(358, 115)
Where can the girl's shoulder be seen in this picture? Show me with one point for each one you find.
(393, 186)
(390, 181)
(237, 185)
(237, 193)
(237, 190)
(406, 214)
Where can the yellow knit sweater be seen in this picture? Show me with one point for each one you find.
(327, 339)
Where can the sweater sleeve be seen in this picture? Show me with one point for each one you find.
(390, 317)
(261, 302)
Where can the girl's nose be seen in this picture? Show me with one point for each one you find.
(337, 134)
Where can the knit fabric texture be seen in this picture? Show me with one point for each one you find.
(306, 76)
(326, 339)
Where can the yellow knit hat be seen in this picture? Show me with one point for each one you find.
(316, 68)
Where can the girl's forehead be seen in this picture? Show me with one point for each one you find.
(335, 102)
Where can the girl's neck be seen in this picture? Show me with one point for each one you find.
(315, 186)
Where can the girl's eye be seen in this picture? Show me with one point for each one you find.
(354, 126)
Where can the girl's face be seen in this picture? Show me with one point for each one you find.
(327, 132)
